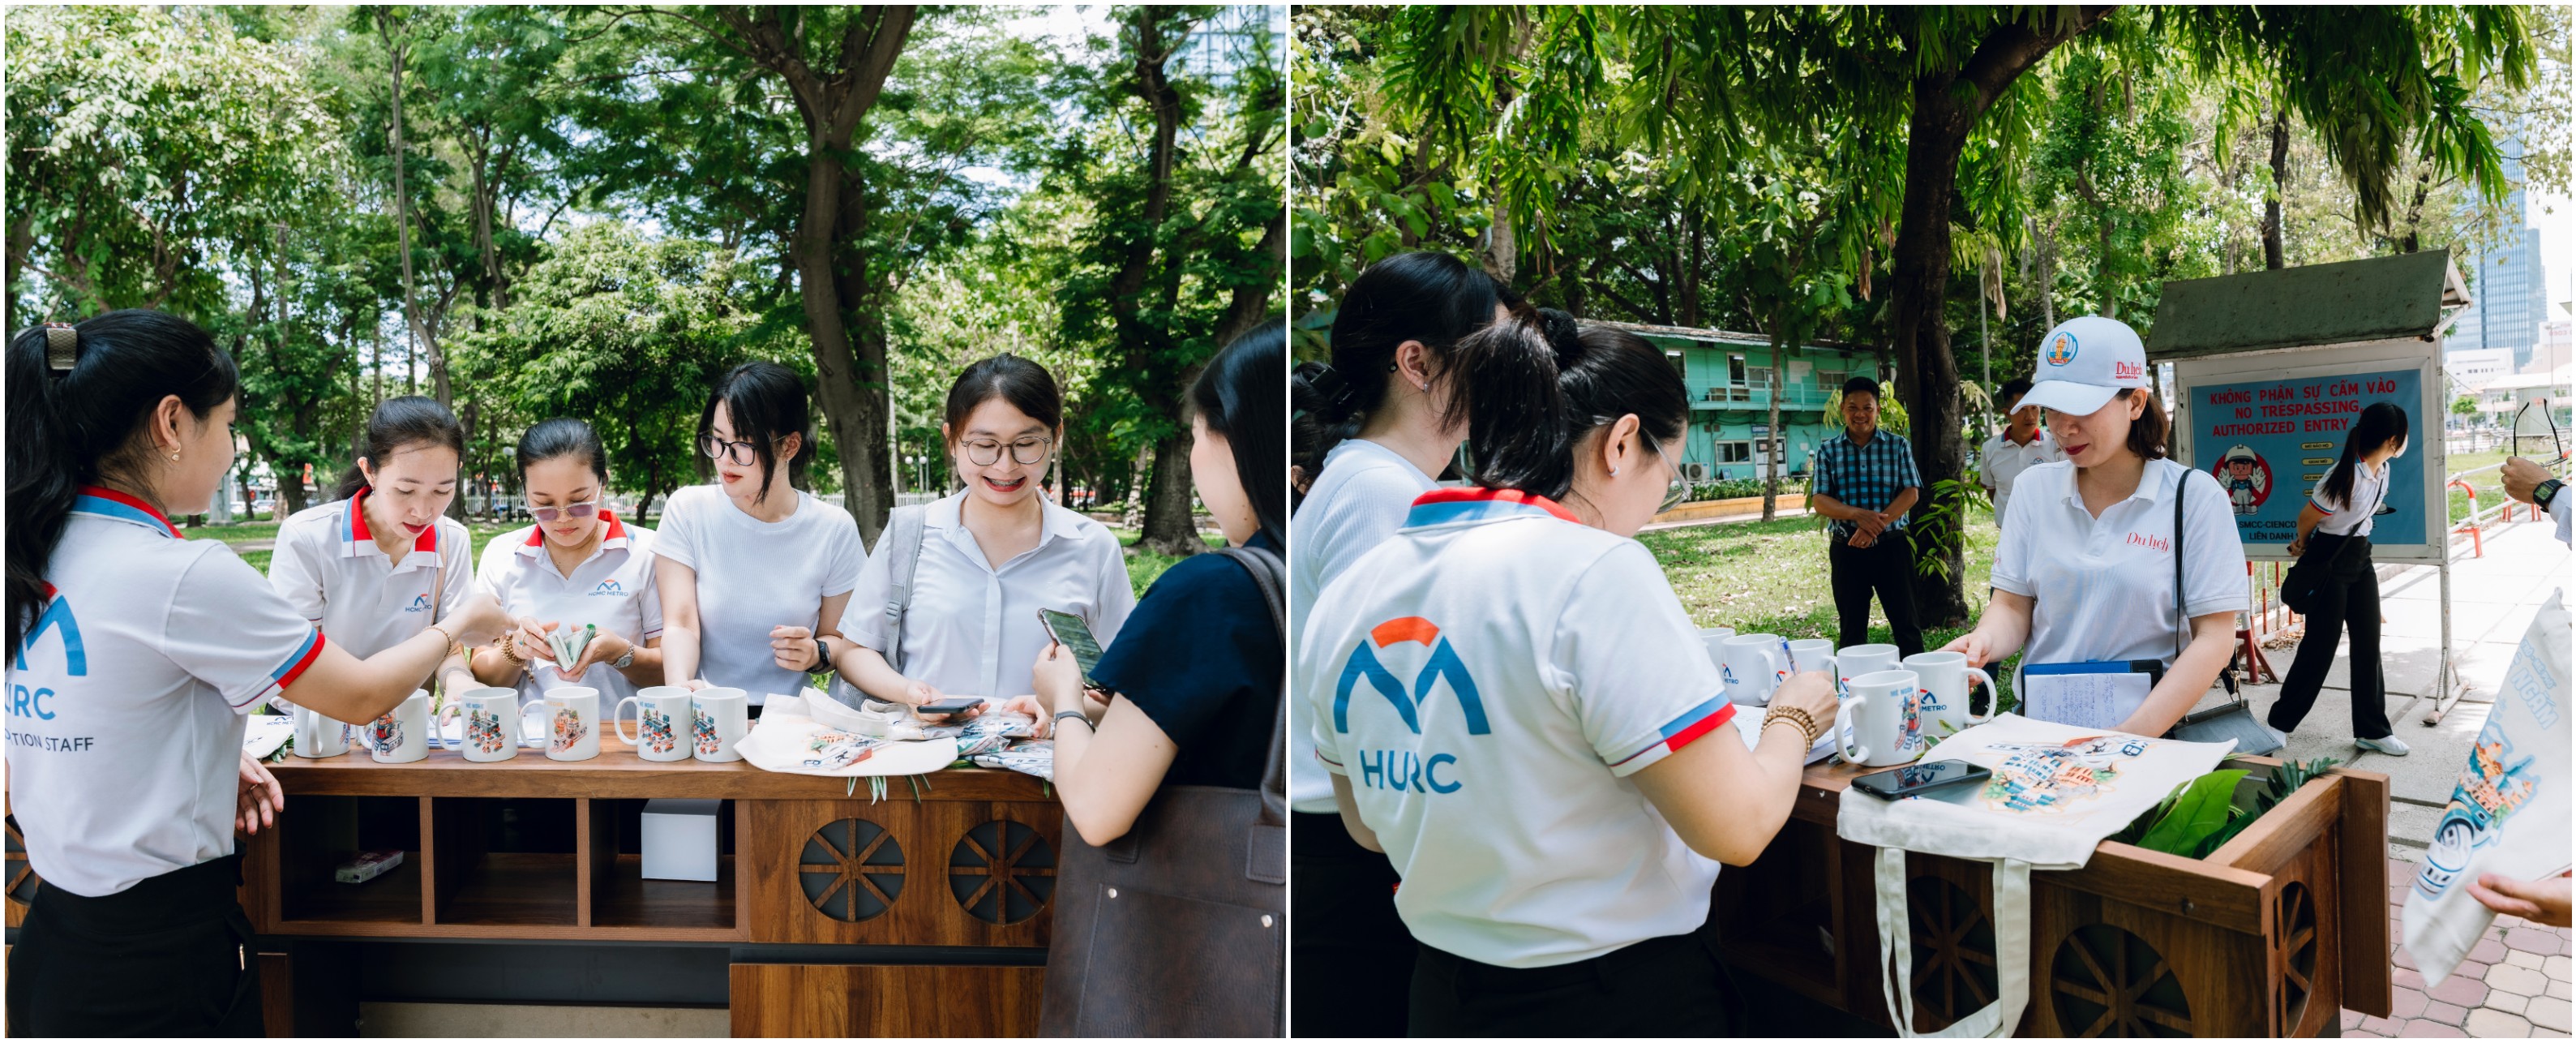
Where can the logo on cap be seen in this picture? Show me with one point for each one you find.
(2061, 348)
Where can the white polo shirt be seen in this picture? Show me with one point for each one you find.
(1487, 679)
(2369, 487)
(1358, 501)
(328, 566)
(973, 629)
(754, 575)
(2001, 461)
(612, 589)
(2103, 589)
(126, 695)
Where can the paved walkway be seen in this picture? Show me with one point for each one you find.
(2514, 983)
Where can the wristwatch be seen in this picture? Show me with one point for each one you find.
(626, 660)
(2544, 492)
(1078, 715)
(822, 658)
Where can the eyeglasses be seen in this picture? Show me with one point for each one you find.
(1672, 495)
(586, 509)
(985, 452)
(740, 453)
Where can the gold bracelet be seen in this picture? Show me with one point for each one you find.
(1794, 717)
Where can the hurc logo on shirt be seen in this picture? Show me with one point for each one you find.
(1405, 769)
(26, 702)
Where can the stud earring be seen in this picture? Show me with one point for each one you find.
(1614, 472)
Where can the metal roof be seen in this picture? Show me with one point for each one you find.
(2378, 298)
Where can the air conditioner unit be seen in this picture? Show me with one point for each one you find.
(1695, 471)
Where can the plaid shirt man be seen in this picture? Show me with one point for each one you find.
(1865, 476)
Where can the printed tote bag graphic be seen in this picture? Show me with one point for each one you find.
(2055, 792)
(2509, 813)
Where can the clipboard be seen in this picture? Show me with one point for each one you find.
(2098, 694)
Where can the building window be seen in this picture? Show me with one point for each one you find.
(1735, 369)
(1679, 370)
(1734, 452)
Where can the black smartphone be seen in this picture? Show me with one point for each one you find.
(1071, 632)
(949, 705)
(1914, 779)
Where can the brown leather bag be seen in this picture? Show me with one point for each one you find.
(1180, 927)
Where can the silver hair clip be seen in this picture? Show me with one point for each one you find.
(62, 346)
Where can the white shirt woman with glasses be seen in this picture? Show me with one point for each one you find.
(578, 566)
(753, 571)
(992, 555)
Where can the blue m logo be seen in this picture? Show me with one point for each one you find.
(1443, 666)
(56, 616)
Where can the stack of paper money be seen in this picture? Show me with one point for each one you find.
(569, 642)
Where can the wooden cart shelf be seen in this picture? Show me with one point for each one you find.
(2273, 934)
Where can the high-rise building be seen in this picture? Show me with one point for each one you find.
(2507, 281)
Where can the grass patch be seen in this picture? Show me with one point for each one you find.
(1144, 565)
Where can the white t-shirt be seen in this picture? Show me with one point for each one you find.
(754, 575)
(2001, 462)
(126, 696)
(612, 589)
(1487, 679)
(2103, 589)
(328, 566)
(973, 629)
(2369, 487)
(1355, 504)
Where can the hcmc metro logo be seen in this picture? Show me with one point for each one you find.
(419, 604)
(1443, 665)
(608, 588)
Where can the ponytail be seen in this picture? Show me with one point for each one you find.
(2380, 422)
(1431, 298)
(1539, 383)
(78, 397)
(397, 424)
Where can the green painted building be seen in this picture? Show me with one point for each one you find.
(1729, 377)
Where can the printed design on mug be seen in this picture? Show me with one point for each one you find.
(483, 730)
(385, 734)
(1910, 742)
(2493, 785)
(569, 729)
(657, 736)
(702, 727)
(2039, 776)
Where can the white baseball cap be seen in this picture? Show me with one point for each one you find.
(2085, 361)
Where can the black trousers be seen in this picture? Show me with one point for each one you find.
(2347, 600)
(1669, 986)
(1885, 568)
(1355, 955)
(171, 956)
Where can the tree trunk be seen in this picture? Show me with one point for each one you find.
(1947, 105)
(2272, 254)
(1167, 523)
(290, 485)
(1170, 527)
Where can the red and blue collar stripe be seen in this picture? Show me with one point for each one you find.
(1452, 506)
(358, 532)
(616, 536)
(110, 504)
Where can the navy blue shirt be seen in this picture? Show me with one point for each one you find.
(1202, 657)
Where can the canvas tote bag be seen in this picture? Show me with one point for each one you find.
(2056, 791)
(1180, 927)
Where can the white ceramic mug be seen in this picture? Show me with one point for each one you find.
(401, 736)
(1881, 725)
(1754, 665)
(718, 717)
(1810, 654)
(662, 715)
(569, 720)
(1855, 660)
(1944, 680)
(491, 731)
(319, 736)
(1714, 639)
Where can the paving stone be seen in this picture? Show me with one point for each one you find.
(2465, 992)
(2551, 1014)
(2408, 978)
(2488, 1024)
(2507, 1002)
(2520, 958)
(2405, 1003)
(2402, 956)
(2559, 990)
(2558, 968)
(2488, 950)
(2421, 1029)
(2379, 1026)
(2520, 981)
(2352, 1019)
(2443, 1012)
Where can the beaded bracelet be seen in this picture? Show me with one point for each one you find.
(1796, 718)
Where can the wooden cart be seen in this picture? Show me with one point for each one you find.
(537, 849)
(2274, 934)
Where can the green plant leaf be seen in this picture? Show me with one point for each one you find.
(2199, 811)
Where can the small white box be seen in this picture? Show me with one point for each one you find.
(680, 839)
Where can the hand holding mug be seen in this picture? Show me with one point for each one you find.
(1973, 645)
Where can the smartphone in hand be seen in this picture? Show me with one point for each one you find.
(1072, 633)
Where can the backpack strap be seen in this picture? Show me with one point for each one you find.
(2182, 481)
(903, 537)
(1268, 855)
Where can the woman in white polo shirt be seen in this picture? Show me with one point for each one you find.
(991, 555)
(135, 654)
(579, 565)
(753, 571)
(1514, 706)
(382, 559)
(1382, 425)
(2085, 570)
(2334, 526)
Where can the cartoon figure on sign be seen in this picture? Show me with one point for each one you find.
(2247, 478)
(385, 734)
(2493, 785)
(657, 736)
(483, 731)
(568, 729)
(2045, 777)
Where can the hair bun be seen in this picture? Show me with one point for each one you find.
(1564, 335)
(1330, 390)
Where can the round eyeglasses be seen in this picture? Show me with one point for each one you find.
(984, 452)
